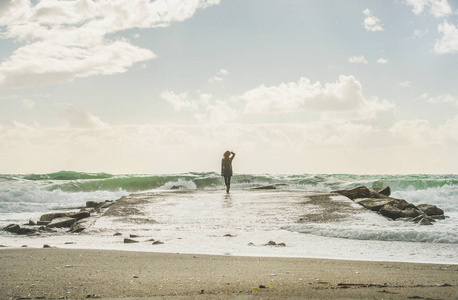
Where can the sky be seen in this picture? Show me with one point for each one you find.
(291, 86)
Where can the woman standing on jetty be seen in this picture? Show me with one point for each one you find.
(226, 168)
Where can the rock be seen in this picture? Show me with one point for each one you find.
(52, 216)
(117, 234)
(281, 244)
(251, 244)
(81, 225)
(438, 217)
(425, 221)
(377, 192)
(423, 216)
(374, 204)
(106, 204)
(132, 236)
(402, 204)
(46, 246)
(24, 231)
(92, 204)
(158, 243)
(359, 192)
(80, 215)
(391, 212)
(13, 228)
(43, 223)
(32, 223)
(129, 241)
(266, 187)
(61, 222)
(430, 210)
(411, 212)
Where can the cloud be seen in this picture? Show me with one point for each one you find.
(358, 60)
(382, 60)
(439, 8)
(444, 98)
(342, 99)
(28, 103)
(405, 84)
(79, 117)
(182, 102)
(217, 113)
(219, 77)
(449, 40)
(64, 40)
(372, 23)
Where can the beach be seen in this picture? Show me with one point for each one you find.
(76, 274)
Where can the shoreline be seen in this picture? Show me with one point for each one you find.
(76, 274)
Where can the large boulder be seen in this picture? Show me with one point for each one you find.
(402, 204)
(52, 216)
(374, 204)
(14, 228)
(430, 210)
(61, 222)
(80, 215)
(391, 212)
(359, 192)
(377, 192)
(411, 212)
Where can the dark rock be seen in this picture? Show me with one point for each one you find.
(438, 217)
(32, 223)
(430, 210)
(80, 215)
(92, 204)
(132, 236)
(24, 231)
(359, 192)
(43, 223)
(129, 241)
(13, 228)
(377, 192)
(106, 204)
(158, 243)
(52, 216)
(271, 243)
(266, 187)
(81, 225)
(402, 204)
(46, 246)
(281, 244)
(423, 216)
(61, 222)
(117, 234)
(374, 204)
(391, 212)
(425, 221)
(411, 212)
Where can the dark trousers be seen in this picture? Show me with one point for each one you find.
(227, 180)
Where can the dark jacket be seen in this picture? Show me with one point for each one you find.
(226, 166)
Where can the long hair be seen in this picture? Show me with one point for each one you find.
(226, 154)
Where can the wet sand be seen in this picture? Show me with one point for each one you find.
(75, 274)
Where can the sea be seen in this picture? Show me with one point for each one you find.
(197, 216)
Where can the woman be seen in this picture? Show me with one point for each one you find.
(226, 168)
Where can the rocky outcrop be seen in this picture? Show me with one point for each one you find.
(76, 221)
(62, 222)
(359, 192)
(379, 200)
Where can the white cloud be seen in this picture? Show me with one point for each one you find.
(449, 40)
(439, 8)
(219, 77)
(28, 103)
(339, 100)
(217, 113)
(444, 98)
(358, 60)
(79, 117)
(182, 102)
(405, 84)
(372, 23)
(63, 40)
(419, 33)
(382, 60)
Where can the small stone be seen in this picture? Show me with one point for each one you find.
(425, 221)
(117, 234)
(46, 246)
(158, 243)
(32, 223)
(271, 243)
(430, 210)
(129, 241)
(133, 236)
